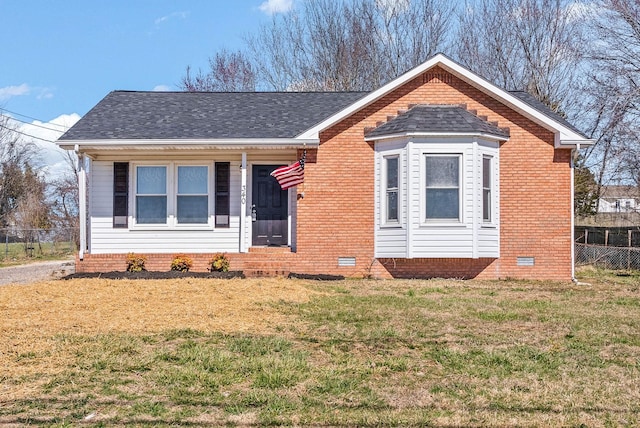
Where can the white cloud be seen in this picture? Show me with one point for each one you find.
(14, 91)
(45, 94)
(271, 7)
(52, 159)
(179, 15)
(161, 88)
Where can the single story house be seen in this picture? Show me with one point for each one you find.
(619, 199)
(438, 173)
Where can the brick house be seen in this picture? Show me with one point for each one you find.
(438, 173)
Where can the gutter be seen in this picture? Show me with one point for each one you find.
(223, 143)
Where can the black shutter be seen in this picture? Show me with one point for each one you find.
(120, 194)
(223, 170)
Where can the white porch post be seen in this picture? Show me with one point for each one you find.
(243, 204)
(82, 200)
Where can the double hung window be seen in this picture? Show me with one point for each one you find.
(391, 196)
(182, 194)
(193, 195)
(487, 176)
(151, 194)
(442, 187)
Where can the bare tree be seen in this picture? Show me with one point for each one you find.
(32, 212)
(64, 200)
(228, 72)
(532, 45)
(612, 93)
(348, 45)
(15, 157)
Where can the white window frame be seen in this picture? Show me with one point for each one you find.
(172, 197)
(134, 201)
(491, 188)
(423, 189)
(384, 192)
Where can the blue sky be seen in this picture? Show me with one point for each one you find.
(60, 57)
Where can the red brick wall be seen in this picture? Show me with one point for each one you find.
(336, 216)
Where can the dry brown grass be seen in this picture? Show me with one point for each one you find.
(32, 315)
(269, 351)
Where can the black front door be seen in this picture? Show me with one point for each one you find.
(269, 208)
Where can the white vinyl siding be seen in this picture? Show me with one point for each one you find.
(105, 239)
(391, 237)
(416, 236)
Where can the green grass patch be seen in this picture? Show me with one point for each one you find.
(371, 353)
(17, 253)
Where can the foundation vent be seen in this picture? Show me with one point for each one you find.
(526, 261)
(346, 261)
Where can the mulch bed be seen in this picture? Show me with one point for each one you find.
(316, 277)
(156, 275)
(176, 274)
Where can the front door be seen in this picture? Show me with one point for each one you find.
(269, 208)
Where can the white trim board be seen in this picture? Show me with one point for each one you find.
(565, 136)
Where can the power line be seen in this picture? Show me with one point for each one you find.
(25, 134)
(30, 117)
(40, 126)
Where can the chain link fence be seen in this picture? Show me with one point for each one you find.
(17, 244)
(615, 258)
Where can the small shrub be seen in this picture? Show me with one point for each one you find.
(219, 263)
(181, 262)
(135, 262)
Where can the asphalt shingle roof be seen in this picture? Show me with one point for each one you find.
(437, 119)
(207, 115)
(544, 109)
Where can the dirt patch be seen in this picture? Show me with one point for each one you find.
(37, 271)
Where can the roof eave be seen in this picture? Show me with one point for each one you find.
(168, 144)
(487, 136)
(570, 142)
(463, 73)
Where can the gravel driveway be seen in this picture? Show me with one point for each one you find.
(39, 271)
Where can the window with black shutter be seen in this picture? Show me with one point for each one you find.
(222, 202)
(120, 194)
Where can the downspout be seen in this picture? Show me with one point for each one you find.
(574, 156)
(82, 201)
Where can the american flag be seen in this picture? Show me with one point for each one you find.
(291, 175)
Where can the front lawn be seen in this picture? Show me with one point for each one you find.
(203, 352)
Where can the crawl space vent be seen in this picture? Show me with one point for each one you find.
(346, 261)
(526, 261)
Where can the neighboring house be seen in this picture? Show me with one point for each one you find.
(438, 173)
(619, 199)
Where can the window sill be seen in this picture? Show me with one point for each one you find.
(489, 226)
(443, 225)
(391, 226)
(150, 228)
